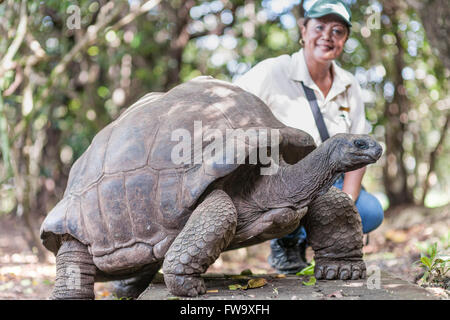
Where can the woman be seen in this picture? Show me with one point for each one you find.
(283, 83)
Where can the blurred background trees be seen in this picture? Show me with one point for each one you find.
(67, 68)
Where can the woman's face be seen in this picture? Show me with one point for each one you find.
(324, 38)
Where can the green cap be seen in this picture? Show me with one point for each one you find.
(324, 7)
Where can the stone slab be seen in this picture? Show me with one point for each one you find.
(291, 287)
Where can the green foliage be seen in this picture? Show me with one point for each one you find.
(308, 271)
(251, 284)
(312, 281)
(50, 118)
(115, 297)
(436, 266)
(246, 272)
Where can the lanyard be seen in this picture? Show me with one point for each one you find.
(316, 112)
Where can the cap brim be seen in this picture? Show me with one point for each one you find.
(320, 15)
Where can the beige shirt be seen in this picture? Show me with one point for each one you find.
(277, 81)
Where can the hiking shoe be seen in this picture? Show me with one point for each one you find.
(287, 256)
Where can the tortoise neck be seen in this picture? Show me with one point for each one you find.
(310, 177)
(297, 185)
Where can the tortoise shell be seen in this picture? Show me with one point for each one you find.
(126, 198)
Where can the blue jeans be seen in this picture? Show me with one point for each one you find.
(369, 209)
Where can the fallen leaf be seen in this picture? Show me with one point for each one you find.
(280, 276)
(308, 271)
(256, 283)
(104, 293)
(47, 282)
(311, 281)
(234, 286)
(397, 236)
(251, 284)
(212, 291)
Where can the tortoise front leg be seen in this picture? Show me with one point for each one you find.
(334, 230)
(206, 234)
(75, 272)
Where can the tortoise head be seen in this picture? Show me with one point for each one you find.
(349, 152)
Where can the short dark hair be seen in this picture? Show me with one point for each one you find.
(305, 21)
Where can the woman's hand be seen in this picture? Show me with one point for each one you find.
(352, 182)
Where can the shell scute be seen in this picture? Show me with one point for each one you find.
(130, 142)
(140, 190)
(89, 167)
(113, 205)
(96, 227)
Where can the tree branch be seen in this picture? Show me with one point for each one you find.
(89, 37)
(92, 34)
(7, 62)
(4, 141)
(133, 15)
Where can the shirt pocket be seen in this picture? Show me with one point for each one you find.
(344, 117)
(339, 116)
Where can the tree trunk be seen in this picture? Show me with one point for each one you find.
(435, 19)
(180, 38)
(396, 112)
(434, 155)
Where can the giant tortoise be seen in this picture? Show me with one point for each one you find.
(131, 206)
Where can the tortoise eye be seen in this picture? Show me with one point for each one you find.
(361, 144)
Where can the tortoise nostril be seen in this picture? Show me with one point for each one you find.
(361, 144)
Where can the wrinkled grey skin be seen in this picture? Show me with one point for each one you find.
(238, 209)
(229, 218)
(237, 214)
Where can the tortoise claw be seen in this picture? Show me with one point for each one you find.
(344, 274)
(340, 270)
(356, 274)
(318, 272)
(332, 272)
(185, 285)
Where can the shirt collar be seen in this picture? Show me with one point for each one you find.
(299, 72)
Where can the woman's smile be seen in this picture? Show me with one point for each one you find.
(325, 47)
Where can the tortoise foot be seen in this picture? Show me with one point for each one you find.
(185, 285)
(340, 269)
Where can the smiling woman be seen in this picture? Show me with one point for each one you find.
(309, 91)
